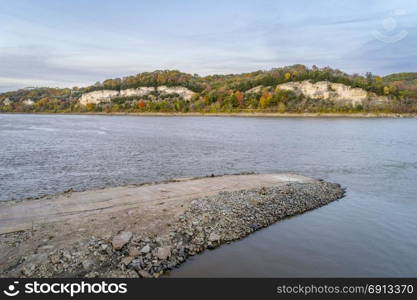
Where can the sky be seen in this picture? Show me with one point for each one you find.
(78, 42)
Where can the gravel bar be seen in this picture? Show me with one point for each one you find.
(206, 223)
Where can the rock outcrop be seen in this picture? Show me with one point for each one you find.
(106, 95)
(28, 102)
(256, 89)
(142, 91)
(98, 96)
(182, 91)
(121, 239)
(336, 92)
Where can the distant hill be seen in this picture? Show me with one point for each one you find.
(175, 91)
(401, 77)
(406, 82)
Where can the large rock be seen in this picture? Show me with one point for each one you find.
(126, 260)
(121, 239)
(163, 252)
(145, 249)
(133, 252)
(214, 237)
(144, 274)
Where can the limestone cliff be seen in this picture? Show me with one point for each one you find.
(182, 91)
(106, 95)
(336, 92)
(28, 102)
(98, 96)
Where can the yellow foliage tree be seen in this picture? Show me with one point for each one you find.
(206, 100)
(265, 100)
(378, 79)
(287, 76)
(90, 106)
(281, 107)
(43, 101)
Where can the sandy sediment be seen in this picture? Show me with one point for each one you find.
(146, 230)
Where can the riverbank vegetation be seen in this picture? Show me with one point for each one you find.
(231, 93)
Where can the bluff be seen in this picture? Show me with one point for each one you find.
(295, 88)
(96, 97)
(337, 93)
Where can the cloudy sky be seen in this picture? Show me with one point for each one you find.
(79, 42)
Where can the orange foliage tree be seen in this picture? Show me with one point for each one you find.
(141, 104)
(240, 98)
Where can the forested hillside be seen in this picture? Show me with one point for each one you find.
(255, 91)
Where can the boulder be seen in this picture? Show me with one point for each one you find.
(214, 237)
(133, 252)
(144, 274)
(145, 249)
(163, 252)
(121, 239)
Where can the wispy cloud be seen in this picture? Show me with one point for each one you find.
(66, 43)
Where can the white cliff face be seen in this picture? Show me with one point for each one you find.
(142, 91)
(256, 89)
(106, 95)
(336, 92)
(28, 102)
(182, 91)
(98, 96)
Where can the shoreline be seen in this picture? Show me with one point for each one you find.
(237, 114)
(147, 230)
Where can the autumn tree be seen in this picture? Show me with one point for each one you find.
(141, 104)
(287, 76)
(281, 107)
(265, 99)
(90, 106)
(240, 97)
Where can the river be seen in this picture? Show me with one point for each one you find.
(370, 232)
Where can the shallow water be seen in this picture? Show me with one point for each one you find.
(370, 232)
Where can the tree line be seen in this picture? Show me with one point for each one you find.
(221, 93)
